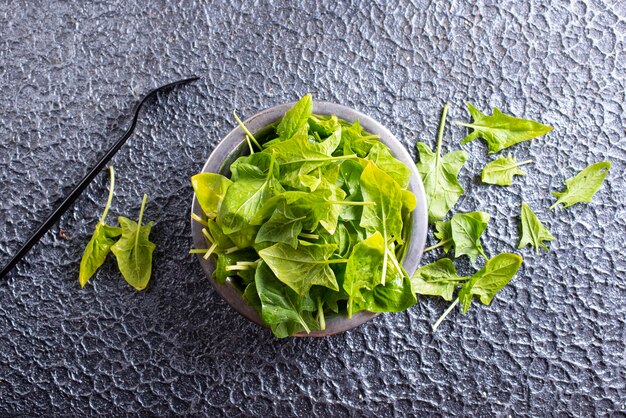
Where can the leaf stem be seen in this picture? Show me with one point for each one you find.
(553, 206)
(198, 250)
(208, 236)
(236, 267)
(210, 251)
(110, 198)
(309, 236)
(446, 313)
(246, 130)
(349, 203)
(199, 220)
(247, 263)
(441, 244)
(341, 260)
(467, 125)
(442, 125)
(231, 250)
(524, 163)
(320, 314)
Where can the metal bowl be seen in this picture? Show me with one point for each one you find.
(234, 146)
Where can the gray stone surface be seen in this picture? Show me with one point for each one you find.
(551, 343)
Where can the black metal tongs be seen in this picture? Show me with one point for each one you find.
(78, 189)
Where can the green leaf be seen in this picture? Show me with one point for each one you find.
(440, 175)
(501, 130)
(303, 267)
(102, 239)
(283, 226)
(496, 274)
(285, 311)
(324, 125)
(96, 251)
(251, 297)
(210, 189)
(254, 167)
(533, 231)
(219, 237)
(395, 295)
(444, 234)
(356, 140)
(437, 279)
(295, 118)
(364, 268)
(467, 229)
(385, 216)
(243, 199)
(502, 170)
(583, 185)
(134, 250)
(382, 157)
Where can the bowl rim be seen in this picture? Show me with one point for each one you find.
(235, 140)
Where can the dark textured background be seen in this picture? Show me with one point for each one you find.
(552, 342)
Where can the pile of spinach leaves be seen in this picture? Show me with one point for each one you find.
(312, 222)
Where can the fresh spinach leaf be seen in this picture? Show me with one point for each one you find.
(497, 273)
(283, 226)
(440, 175)
(244, 198)
(134, 250)
(210, 189)
(395, 295)
(284, 310)
(533, 231)
(303, 267)
(437, 279)
(99, 246)
(382, 157)
(385, 216)
(501, 130)
(502, 170)
(296, 118)
(364, 268)
(467, 229)
(583, 185)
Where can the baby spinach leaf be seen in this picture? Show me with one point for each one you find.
(583, 185)
(496, 274)
(385, 216)
(364, 268)
(210, 189)
(440, 175)
(243, 199)
(395, 295)
(324, 125)
(437, 279)
(502, 170)
(533, 231)
(444, 234)
(467, 229)
(356, 140)
(283, 226)
(251, 297)
(501, 130)
(99, 245)
(218, 236)
(382, 157)
(284, 310)
(303, 267)
(296, 118)
(134, 250)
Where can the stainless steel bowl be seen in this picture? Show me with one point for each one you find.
(234, 146)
